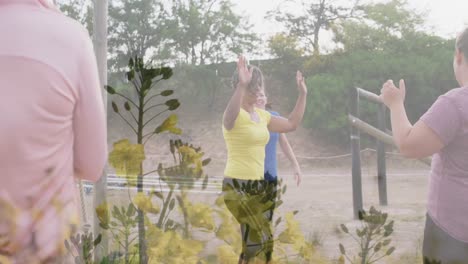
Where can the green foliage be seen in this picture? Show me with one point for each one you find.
(373, 238)
(126, 158)
(137, 28)
(317, 16)
(387, 45)
(285, 47)
(208, 31)
(84, 244)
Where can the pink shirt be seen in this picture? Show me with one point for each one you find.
(448, 185)
(52, 124)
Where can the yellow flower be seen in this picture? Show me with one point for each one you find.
(292, 234)
(169, 125)
(191, 157)
(144, 203)
(200, 215)
(170, 247)
(226, 255)
(102, 212)
(126, 158)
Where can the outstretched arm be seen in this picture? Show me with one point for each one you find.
(283, 125)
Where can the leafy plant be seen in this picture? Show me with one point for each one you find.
(374, 238)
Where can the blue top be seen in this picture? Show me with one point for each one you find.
(270, 155)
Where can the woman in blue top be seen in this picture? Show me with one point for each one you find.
(271, 167)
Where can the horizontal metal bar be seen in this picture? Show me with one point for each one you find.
(365, 127)
(376, 133)
(369, 96)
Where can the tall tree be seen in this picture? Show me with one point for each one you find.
(317, 15)
(208, 31)
(137, 28)
(381, 25)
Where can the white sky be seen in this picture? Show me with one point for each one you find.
(445, 17)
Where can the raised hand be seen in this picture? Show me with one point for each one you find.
(301, 82)
(245, 75)
(391, 95)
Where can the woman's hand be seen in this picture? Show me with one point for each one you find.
(297, 175)
(245, 75)
(391, 95)
(301, 83)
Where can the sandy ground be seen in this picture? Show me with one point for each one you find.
(324, 201)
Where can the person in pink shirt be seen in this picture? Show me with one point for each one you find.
(442, 132)
(52, 128)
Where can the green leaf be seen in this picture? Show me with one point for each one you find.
(278, 221)
(97, 240)
(378, 247)
(166, 73)
(159, 195)
(131, 75)
(342, 249)
(167, 92)
(127, 106)
(236, 184)
(344, 228)
(114, 107)
(130, 210)
(386, 242)
(206, 162)
(390, 251)
(172, 104)
(146, 85)
(172, 204)
(109, 89)
(205, 183)
(104, 226)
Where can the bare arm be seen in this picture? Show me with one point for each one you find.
(283, 125)
(89, 121)
(287, 150)
(233, 108)
(416, 141)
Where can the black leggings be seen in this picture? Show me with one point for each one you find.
(252, 203)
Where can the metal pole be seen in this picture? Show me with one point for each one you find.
(100, 48)
(381, 163)
(356, 157)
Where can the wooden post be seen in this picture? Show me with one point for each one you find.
(100, 48)
(356, 156)
(381, 163)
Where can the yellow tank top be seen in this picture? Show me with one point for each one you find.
(245, 144)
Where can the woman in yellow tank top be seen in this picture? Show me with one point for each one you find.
(246, 133)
